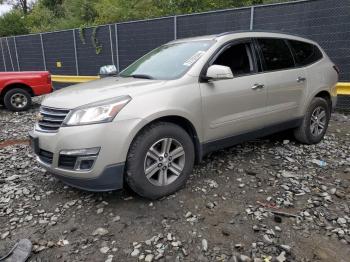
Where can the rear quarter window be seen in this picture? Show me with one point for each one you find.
(305, 53)
(276, 54)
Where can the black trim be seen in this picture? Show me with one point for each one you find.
(291, 51)
(214, 145)
(110, 179)
(296, 65)
(262, 58)
(223, 47)
(34, 142)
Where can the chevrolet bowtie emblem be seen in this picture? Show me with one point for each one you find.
(39, 117)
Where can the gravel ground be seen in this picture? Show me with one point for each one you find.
(265, 200)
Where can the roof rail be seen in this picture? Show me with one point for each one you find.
(257, 31)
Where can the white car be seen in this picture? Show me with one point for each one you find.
(148, 125)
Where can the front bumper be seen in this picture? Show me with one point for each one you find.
(111, 178)
(334, 103)
(106, 173)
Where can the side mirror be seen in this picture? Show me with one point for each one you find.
(108, 70)
(218, 72)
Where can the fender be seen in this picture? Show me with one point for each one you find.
(13, 82)
(307, 99)
(162, 114)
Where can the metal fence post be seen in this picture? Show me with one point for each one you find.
(14, 40)
(3, 56)
(10, 55)
(116, 46)
(110, 41)
(175, 27)
(252, 9)
(43, 51)
(75, 53)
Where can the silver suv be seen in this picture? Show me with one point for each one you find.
(148, 126)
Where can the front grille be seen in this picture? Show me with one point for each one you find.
(52, 118)
(67, 162)
(46, 156)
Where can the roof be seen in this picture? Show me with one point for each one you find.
(243, 33)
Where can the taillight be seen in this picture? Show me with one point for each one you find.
(49, 78)
(336, 68)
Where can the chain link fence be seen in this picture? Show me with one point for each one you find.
(83, 51)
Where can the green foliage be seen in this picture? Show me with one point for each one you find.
(50, 15)
(96, 44)
(40, 19)
(13, 23)
(82, 34)
(53, 5)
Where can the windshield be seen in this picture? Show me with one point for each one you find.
(168, 61)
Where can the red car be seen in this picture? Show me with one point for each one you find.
(17, 88)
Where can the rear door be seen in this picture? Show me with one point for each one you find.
(285, 82)
(234, 106)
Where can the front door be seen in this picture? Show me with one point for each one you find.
(234, 106)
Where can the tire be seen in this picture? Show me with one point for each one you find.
(140, 160)
(305, 133)
(23, 102)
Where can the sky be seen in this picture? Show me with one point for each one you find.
(4, 9)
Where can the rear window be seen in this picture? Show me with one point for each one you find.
(276, 54)
(305, 53)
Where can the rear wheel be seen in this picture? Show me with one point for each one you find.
(315, 122)
(160, 160)
(17, 99)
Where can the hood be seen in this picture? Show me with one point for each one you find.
(94, 91)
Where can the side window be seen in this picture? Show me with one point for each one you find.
(238, 57)
(305, 53)
(276, 53)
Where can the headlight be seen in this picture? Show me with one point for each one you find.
(99, 112)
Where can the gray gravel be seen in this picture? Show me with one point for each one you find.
(266, 200)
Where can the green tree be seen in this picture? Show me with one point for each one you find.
(23, 4)
(109, 11)
(40, 19)
(13, 23)
(53, 5)
(49, 15)
(82, 10)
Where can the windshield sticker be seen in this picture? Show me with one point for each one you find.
(194, 58)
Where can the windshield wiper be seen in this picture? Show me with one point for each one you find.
(143, 76)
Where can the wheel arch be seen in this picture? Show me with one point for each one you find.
(326, 96)
(20, 85)
(181, 121)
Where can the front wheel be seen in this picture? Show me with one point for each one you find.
(315, 122)
(160, 160)
(17, 99)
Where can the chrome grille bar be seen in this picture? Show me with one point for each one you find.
(51, 118)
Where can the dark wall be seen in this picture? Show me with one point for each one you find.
(29, 53)
(89, 62)
(213, 22)
(59, 47)
(325, 21)
(137, 38)
(9, 53)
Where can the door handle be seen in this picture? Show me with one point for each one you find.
(301, 79)
(257, 86)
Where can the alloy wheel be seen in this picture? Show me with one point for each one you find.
(318, 121)
(164, 162)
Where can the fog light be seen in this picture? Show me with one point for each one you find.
(86, 164)
(78, 159)
(81, 152)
